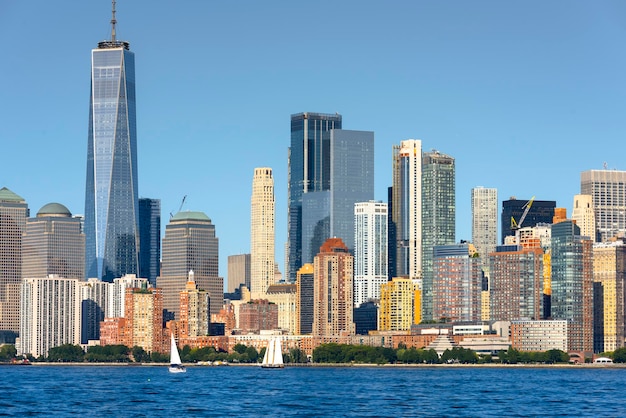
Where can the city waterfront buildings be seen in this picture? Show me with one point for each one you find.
(484, 222)
(194, 309)
(116, 297)
(143, 320)
(111, 198)
(93, 295)
(305, 293)
(149, 239)
(584, 216)
(190, 243)
(370, 250)
(13, 215)
(539, 335)
(400, 305)
(540, 211)
(258, 315)
(262, 232)
(607, 189)
(238, 271)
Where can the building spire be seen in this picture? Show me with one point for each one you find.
(113, 22)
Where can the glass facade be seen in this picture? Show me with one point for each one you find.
(309, 170)
(149, 239)
(541, 211)
(111, 199)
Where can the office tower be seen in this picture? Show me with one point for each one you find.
(399, 305)
(572, 284)
(540, 211)
(284, 295)
(438, 217)
(516, 283)
(53, 243)
(407, 208)
(584, 216)
(366, 318)
(330, 213)
(93, 296)
(262, 207)
(194, 309)
(457, 283)
(190, 244)
(305, 292)
(370, 250)
(309, 170)
(149, 239)
(485, 222)
(117, 294)
(609, 276)
(238, 271)
(143, 320)
(13, 214)
(111, 199)
(607, 189)
(258, 315)
(49, 314)
(332, 301)
(391, 237)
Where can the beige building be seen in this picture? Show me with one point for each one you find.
(284, 295)
(262, 231)
(606, 188)
(333, 286)
(194, 309)
(399, 305)
(13, 214)
(238, 271)
(144, 319)
(584, 216)
(539, 335)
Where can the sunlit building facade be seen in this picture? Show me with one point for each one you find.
(370, 250)
(262, 232)
(607, 189)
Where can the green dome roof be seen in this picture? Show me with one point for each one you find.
(190, 216)
(54, 209)
(7, 195)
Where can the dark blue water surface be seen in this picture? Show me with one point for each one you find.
(151, 391)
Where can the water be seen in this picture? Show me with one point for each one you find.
(143, 391)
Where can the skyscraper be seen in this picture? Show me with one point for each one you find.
(399, 305)
(238, 271)
(438, 216)
(584, 215)
(333, 280)
(309, 170)
(608, 194)
(13, 214)
(370, 250)
(262, 232)
(194, 309)
(149, 239)
(111, 198)
(305, 283)
(53, 243)
(541, 211)
(190, 244)
(484, 222)
(407, 208)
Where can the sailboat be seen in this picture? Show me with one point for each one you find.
(273, 358)
(176, 366)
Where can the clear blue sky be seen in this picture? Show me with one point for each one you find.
(525, 95)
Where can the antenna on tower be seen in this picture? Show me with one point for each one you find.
(605, 165)
(113, 22)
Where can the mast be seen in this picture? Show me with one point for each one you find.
(113, 22)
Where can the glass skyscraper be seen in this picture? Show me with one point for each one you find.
(149, 238)
(111, 199)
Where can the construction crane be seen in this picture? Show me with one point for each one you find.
(517, 225)
(179, 208)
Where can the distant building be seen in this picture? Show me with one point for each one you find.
(262, 232)
(284, 295)
(13, 215)
(116, 297)
(584, 216)
(258, 315)
(305, 289)
(539, 335)
(333, 286)
(149, 239)
(93, 296)
(143, 325)
(190, 244)
(485, 222)
(607, 189)
(194, 309)
(366, 318)
(238, 271)
(49, 312)
(399, 305)
(541, 211)
(370, 250)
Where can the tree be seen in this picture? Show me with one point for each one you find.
(619, 355)
(66, 353)
(240, 348)
(7, 352)
(140, 355)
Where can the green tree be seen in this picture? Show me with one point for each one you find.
(7, 352)
(66, 353)
(619, 355)
(253, 355)
(240, 348)
(140, 355)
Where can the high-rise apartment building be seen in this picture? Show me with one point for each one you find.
(257, 315)
(572, 284)
(305, 290)
(143, 320)
(116, 296)
(399, 305)
(609, 276)
(50, 314)
(309, 170)
(370, 250)
(485, 222)
(53, 243)
(438, 216)
(541, 211)
(93, 295)
(330, 213)
(190, 244)
(584, 216)
(13, 215)
(194, 309)
(457, 283)
(238, 271)
(406, 206)
(607, 189)
(262, 232)
(149, 239)
(332, 300)
(284, 295)
(111, 198)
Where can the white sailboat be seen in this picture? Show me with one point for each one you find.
(273, 358)
(176, 366)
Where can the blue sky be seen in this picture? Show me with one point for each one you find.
(525, 95)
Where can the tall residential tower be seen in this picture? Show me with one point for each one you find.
(262, 218)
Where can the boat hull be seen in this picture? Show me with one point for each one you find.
(177, 369)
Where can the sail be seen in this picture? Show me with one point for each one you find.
(174, 356)
(273, 357)
(278, 353)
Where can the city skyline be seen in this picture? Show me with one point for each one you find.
(470, 81)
